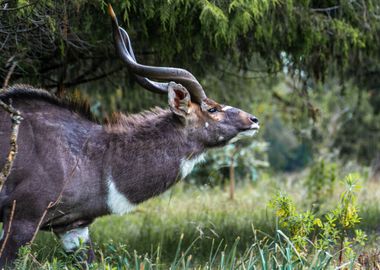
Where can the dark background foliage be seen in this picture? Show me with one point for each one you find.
(279, 59)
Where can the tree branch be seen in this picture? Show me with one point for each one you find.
(16, 120)
(76, 82)
(18, 8)
(10, 72)
(9, 227)
(328, 9)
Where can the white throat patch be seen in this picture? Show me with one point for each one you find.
(116, 201)
(72, 239)
(187, 165)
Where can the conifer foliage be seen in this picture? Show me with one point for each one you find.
(67, 43)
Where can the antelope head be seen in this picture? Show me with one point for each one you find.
(214, 124)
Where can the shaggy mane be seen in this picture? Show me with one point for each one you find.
(121, 122)
(74, 104)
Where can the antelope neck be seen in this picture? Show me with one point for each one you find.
(147, 160)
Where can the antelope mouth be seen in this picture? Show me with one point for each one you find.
(246, 133)
(253, 127)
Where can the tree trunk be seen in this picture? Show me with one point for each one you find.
(375, 168)
(232, 177)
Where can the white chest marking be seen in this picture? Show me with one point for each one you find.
(71, 240)
(206, 125)
(187, 165)
(116, 201)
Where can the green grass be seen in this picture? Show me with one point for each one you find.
(264, 253)
(197, 214)
(189, 228)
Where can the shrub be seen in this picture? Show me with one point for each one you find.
(334, 230)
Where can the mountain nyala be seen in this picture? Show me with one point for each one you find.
(70, 169)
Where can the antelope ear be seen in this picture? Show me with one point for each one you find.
(179, 99)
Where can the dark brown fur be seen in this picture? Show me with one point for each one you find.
(64, 154)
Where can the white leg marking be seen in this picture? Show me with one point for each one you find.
(116, 201)
(2, 234)
(72, 239)
(187, 165)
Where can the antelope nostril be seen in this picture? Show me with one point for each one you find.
(254, 119)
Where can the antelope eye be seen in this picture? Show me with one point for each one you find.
(212, 110)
